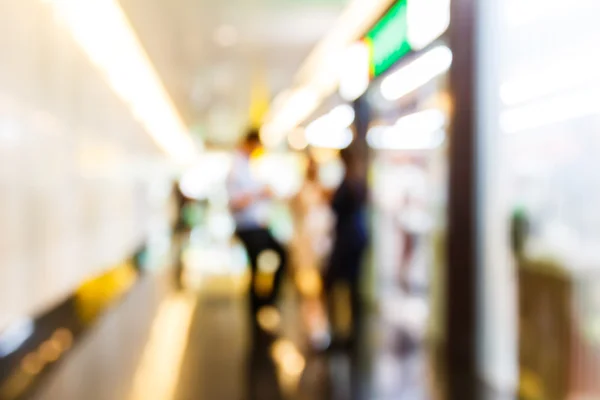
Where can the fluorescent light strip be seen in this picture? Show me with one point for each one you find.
(417, 73)
(324, 138)
(423, 130)
(332, 130)
(320, 73)
(102, 30)
(15, 335)
(427, 20)
(299, 103)
(552, 111)
(355, 76)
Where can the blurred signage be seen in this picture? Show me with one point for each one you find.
(388, 39)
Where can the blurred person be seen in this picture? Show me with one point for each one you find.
(311, 244)
(351, 237)
(414, 223)
(249, 200)
(181, 232)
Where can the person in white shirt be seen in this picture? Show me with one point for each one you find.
(249, 200)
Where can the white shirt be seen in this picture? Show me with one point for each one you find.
(242, 182)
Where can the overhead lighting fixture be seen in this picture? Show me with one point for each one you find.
(299, 104)
(337, 139)
(417, 73)
(297, 139)
(423, 130)
(333, 129)
(13, 337)
(102, 30)
(427, 20)
(320, 72)
(355, 76)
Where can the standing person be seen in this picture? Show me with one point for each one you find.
(351, 237)
(181, 235)
(311, 244)
(249, 203)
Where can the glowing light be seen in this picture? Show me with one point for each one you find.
(417, 73)
(342, 116)
(332, 130)
(102, 30)
(419, 131)
(427, 20)
(298, 105)
(32, 364)
(327, 139)
(268, 262)
(269, 319)
(197, 184)
(15, 335)
(221, 225)
(309, 282)
(288, 358)
(63, 338)
(297, 139)
(317, 73)
(50, 351)
(355, 76)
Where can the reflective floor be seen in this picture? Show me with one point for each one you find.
(159, 344)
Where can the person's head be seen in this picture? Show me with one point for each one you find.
(251, 141)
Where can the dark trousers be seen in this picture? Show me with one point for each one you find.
(256, 241)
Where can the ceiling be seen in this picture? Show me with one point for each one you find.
(209, 52)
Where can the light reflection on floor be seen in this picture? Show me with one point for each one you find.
(158, 373)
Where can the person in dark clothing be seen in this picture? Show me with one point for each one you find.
(351, 237)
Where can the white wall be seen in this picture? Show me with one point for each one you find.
(73, 198)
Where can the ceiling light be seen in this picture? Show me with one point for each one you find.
(320, 137)
(423, 130)
(102, 30)
(355, 76)
(333, 129)
(298, 104)
(342, 116)
(417, 73)
(557, 77)
(297, 139)
(427, 20)
(320, 73)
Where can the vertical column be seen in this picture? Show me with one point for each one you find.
(361, 126)
(461, 274)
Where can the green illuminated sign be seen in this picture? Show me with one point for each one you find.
(388, 40)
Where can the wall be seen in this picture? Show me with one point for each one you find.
(75, 188)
